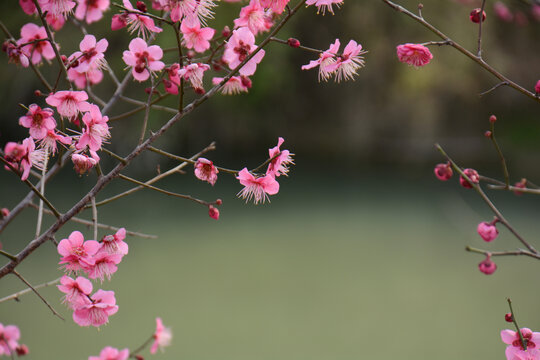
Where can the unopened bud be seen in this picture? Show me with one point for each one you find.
(191, 54)
(508, 317)
(213, 212)
(64, 58)
(492, 118)
(487, 266)
(537, 88)
(246, 81)
(472, 175)
(443, 172)
(141, 6)
(487, 134)
(4, 212)
(22, 350)
(139, 357)
(219, 202)
(226, 32)
(37, 93)
(475, 16)
(292, 42)
(420, 6)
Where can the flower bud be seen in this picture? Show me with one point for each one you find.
(37, 93)
(508, 317)
(118, 22)
(487, 231)
(537, 88)
(22, 350)
(522, 184)
(141, 6)
(213, 212)
(191, 54)
(487, 134)
(294, 43)
(487, 266)
(443, 172)
(226, 32)
(472, 175)
(219, 202)
(492, 118)
(475, 16)
(4, 212)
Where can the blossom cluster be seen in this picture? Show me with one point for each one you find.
(9, 341)
(98, 260)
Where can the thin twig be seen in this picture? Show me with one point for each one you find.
(157, 107)
(94, 218)
(17, 295)
(503, 253)
(147, 111)
(479, 53)
(136, 110)
(42, 190)
(37, 293)
(493, 88)
(501, 156)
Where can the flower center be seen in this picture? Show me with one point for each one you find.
(243, 50)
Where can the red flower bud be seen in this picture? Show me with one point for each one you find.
(226, 32)
(475, 16)
(492, 118)
(487, 134)
(293, 42)
(472, 175)
(141, 6)
(219, 202)
(213, 212)
(443, 172)
(508, 317)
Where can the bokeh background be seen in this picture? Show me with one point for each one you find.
(361, 255)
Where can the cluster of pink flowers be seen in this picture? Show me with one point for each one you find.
(98, 260)
(9, 341)
(58, 10)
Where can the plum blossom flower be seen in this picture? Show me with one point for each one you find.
(38, 120)
(91, 10)
(49, 142)
(57, 7)
(324, 5)
(69, 103)
(143, 58)
(92, 76)
(77, 254)
(135, 22)
(233, 86)
(254, 17)
(115, 244)
(279, 165)
(110, 353)
(31, 32)
(15, 54)
(515, 351)
(239, 47)
(97, 311)
(32, 157)
(76, 291)
(82, 163)
(257, 188)
(414, 54)
(179, 8)
(55, 21)
(325, 59)
(348, 63)
(91, 54)
(206, 171)
(203, 10)
(277, 6)
(162, 337)
(95, 131)
(488, 231)
(9, 339)
(195, 37)
(14, 152)
(104, 265)
(194, 74)
(28, 6)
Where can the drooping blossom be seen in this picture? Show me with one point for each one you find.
(91, 54)
(277, 6)
(143, 58)
(31, 32)
(97, 311)
(414, 54)
(279, 165)
(239, 47)
(69, 103)
(9, 339)
(233, 86)
(57, 7)
(15, 54)
(257, 189)
(91, 10)
(443, 172)
(472, 175)
(82, 163)
(503, 12)
(325, 59)
(487, 266)
(76, 291)
(162, 337)
(206, 171)
(194, 74)
(32, 157)
(488, 231)
(143, 25)
(348, 63)
(324, 5)
(104, 265)
(38, 120)
(77, 254)
(195, 37)
(110, 353)
(96, 129)
(49, 142)
(213, 212)
(515, 350)
(254, 17)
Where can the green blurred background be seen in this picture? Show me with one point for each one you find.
(361, 255)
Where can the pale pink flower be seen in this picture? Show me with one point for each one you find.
(257, 188)
(28, 6)
(38, 120)
(179, 8)
(91, 54)
(324, 5)
(488, 231)
(194, 74)
(110, 353)
(69, 103)
(277, 6)
(162, 337)
(92, 76)
(76, 253)
(414, 54)
(254, 17)
(140, 23)
(515, 351)
(51, 138)
(104, 265)
(82, 163)
(97, 311)
(91, 10)
(57, 7)
(206, 171)
(203, 10)
(143, 58)
(325, 59)
(33, 157)
(233, 86)
(443, 172)
(348, 63)
(195, 37)
(56, 21)
(15, 54)
(96, 129)
(115, 244)
(239, 47)
(31, 32)
(502, 11)
(487, 266)
(9, 339)
(76, 291)
(279, 166)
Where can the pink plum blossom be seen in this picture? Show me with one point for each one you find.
(325, 59)
(28, 6)
(31, 32)
(9, 339)
(55, 21)
(203, 10)
(14, 152)
(77, 254)
(135, 22)
(38, 120)
(443, 172)
(195, 37)
(279, 165)
(104, 265)
(92, 76)
(324, 5)
(110, 353)
(502, 11)
(488, 231)
(57, 7)
(143, 59)
(254, 17)
(49, 142)
(487, 266)
(233, 86)
(194, 74)
(239, 47)
(32, 157)
(277, 6)
(348, 63)
(15, 54)
(69, 103)
(76, 291)
(115, 244)
(96, 129)
(82, 163)
(91, 10)
(257, 188)
(91, 54)
(414, 54)
(171, 85)
(162, 337)
(179, 8)
(515, 351)
(206, 171)
(96, 312)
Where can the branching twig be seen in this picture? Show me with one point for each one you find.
(26, 291)
(37, 293)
